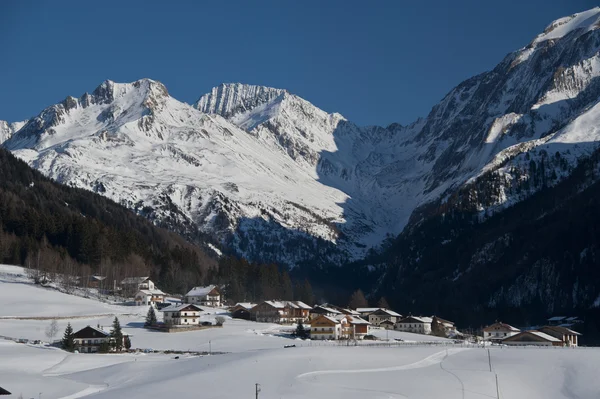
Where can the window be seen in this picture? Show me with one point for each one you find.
(185, 320)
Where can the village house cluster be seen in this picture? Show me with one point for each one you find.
(327, 321)
(554, 334)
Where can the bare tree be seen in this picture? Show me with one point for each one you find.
(52, 330)
(219, 320)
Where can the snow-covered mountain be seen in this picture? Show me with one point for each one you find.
(276, 178)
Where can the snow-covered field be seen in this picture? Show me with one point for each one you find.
(256, 355)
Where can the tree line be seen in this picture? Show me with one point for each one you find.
(64, 230)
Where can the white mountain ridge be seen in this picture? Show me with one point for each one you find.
(274, 177)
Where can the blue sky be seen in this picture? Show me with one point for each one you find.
(375, 62)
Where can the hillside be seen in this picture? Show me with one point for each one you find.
(61, 229)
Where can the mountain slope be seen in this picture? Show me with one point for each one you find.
(59, 229)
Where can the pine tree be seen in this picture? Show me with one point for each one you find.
(383, 303)
(301, 331)
(358, 300)
(127, 342)
(116, 335)
(68, 342)
(151, 317)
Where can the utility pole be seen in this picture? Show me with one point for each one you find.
(497, 388)
(490, 360)
(257, 391)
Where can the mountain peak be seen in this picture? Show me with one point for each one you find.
(228, 99)
(584, 21)
(109, 90)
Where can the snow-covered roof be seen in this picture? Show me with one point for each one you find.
(544, 336)
(366, 310)
(418, 319)
(173, 308)
(134, 280)
(557, 318)
(389, 312)
(560, 329)
(358, 320)
(201, 291)
(152, 292)
(301, 305)
(245, 305)
(572, 318)
(327, 309)
(500, 327)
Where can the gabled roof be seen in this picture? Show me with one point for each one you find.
(134, 280)
(90, 332)
(416, 319)
(245, 305)
(557, 318)
(443, 321)
(535, 333)
(4, 391)
(331, 319)
(499, 326)
(558, 330)
(202, 291)
(358, 320)
(366, 310)
(179, 308)
(386, 321)
(326, 309)
(299, 305)
(97, 278)
(387, 312)
(151, 292)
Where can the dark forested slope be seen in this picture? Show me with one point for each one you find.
(63, 229)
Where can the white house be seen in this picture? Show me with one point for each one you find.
(365, 312)
(415, 324)
(205, 296)
(181, 315)
(567, 336)
(380, 315)
(131, 285)
(327, 327)
(499, 331)
(149, 297)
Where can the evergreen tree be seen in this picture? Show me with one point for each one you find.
(68, 342)
(383, 303)
(104, 347)
(116, 335)
(150, 317)
(127, 342)
(301, 331)
(358, 300)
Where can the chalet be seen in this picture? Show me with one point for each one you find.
(4, 391)
(181, 315)
(204, 296)
(327, 327)
(280, 311)
(380, 315)
(527, 338)
(90, 339)
(297, 311)
(499, 331)
(448, 326)
(567, 336)
(131, 285)
(241, 310)
(269, 311)
(149, 297)
(415, 324)
(326, 310)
